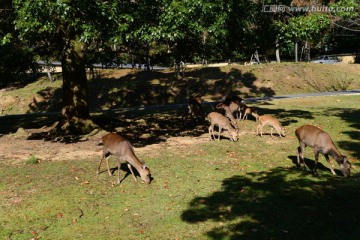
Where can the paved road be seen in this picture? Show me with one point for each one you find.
(303, 95)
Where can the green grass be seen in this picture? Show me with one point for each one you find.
(249, 189)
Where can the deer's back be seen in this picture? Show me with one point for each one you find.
(217, 118)
(267, 119)
(116, 144)
(234, 106)
(314, 137)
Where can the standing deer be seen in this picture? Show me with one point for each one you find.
(222, 122)
(245, 111)
(121, 148)
(272, 122)
(235, 99)
(321, 141)
(194, 110)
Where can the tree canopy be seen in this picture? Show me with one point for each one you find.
(82, 32)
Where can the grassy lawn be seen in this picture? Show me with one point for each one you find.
(250, 189)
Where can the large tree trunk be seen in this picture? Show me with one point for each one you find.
(75, 116)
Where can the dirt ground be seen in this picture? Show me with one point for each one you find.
(17, 148)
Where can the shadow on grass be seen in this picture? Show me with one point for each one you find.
(133, 88)
(141, 127)
(141, 88)
(310, 164)
(150, 126)
(280, 204)
(351, 116)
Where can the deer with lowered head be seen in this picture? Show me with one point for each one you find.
(118, 146)
(228, 111)
(222, 122)
(272, 122)
(234, 106)
(321, 141)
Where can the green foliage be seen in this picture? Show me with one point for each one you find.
(14, 61)
(15, 58)
(304, 28)
(163, 29)
(51, 24)
(345, 8)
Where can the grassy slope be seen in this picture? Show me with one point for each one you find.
(114, 89)
(249, 189)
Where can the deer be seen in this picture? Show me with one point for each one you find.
(222, 122)
(234, 103)
(245, 111)
(321, 141)
(228, 111)
(114, 144)
(194, 110)
(235, 98)
(272, 122)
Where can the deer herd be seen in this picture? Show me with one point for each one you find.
(225, 116)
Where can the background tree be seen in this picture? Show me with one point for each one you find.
(67, 30)
(87, 31)
(309, 29)
(15, 57)
(345, 31)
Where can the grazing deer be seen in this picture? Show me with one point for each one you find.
(272, 122)
(222, 122)
(121, 148)
(245, 111)
(194, 110)
(321, 141)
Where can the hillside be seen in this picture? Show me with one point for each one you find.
(112, 89)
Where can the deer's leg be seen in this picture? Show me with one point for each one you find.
(107, 165)
(219, 133)
(271, 130)
(119, 166)
(211, 131)
(132, 173)
(300, 155)
(98, 169)
(328, 160)
(186, 115)
(317, 152)
(107, 162)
